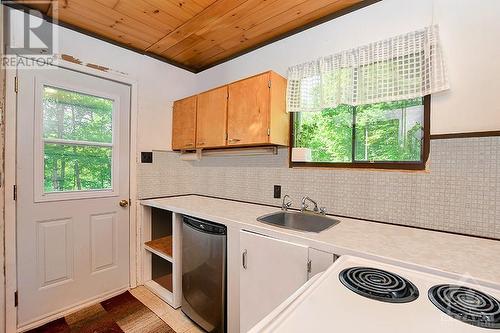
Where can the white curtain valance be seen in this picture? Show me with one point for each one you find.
(402, 67)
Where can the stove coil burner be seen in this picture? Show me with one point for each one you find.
(467, 305)
(379, 285)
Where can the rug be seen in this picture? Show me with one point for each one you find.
(122, 313)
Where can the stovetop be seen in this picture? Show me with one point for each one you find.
(360, 295)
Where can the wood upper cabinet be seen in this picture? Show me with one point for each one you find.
(249, 112)
(256, 112)
(211, 118)
(184, 124)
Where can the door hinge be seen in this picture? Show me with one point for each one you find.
(268, 132)
(269, 83)
(309, 266)
(14, 192)
(16, 299)
(16, 84)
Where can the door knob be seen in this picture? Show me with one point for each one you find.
(123, 203)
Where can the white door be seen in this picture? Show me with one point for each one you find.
(72, 173)
(271, 270)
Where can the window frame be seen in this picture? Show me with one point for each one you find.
(39, 145)
(393, 165)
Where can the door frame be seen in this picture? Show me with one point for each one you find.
(10, 180)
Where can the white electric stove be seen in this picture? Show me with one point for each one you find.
(360, 295)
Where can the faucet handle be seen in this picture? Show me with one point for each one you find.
(286, 204)
(322, 210)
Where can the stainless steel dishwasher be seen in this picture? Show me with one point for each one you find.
(204, 273)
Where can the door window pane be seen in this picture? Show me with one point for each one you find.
(75, 116)
(76, 168)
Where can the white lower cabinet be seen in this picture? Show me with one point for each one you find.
(319, 261)
(270, 271)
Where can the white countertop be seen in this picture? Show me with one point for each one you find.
(471, 257)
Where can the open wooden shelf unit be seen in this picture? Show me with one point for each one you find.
(161, 253)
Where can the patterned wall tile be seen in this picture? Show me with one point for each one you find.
(459, 193)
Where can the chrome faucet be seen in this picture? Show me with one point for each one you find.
(286, 204)
(320, 210)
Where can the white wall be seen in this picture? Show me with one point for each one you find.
(470, 31)
(159, 83)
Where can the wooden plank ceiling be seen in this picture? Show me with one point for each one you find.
(193, 34)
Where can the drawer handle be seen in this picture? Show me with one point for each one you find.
(244, 259)
(188, 145)
(234, 140)
(201, 143)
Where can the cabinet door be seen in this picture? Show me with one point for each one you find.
(248, 111)
(319, 261)
(271, 270)
(211, 118)
(184, 123)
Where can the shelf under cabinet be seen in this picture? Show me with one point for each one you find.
(161, 292)
(165, 281)
(162, 247)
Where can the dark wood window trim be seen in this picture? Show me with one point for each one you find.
(420, 165)
(484, 134)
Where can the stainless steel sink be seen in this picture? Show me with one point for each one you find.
(299, 221)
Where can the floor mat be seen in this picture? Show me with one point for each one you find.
(122, 313)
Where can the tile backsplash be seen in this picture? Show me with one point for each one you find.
(459, 193)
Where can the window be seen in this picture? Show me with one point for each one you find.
(77, 141)
(368, 106)
(389, 135)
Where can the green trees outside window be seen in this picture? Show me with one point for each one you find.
(78, 137)
(382, 132)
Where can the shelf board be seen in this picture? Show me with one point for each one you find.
(162, 247)
(161, 292)
(165, 281)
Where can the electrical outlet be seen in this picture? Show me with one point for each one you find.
(277, 191)
(146, 157)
